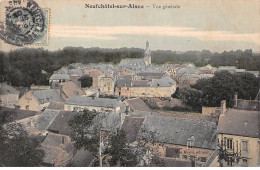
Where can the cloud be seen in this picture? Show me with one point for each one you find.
(111, 32)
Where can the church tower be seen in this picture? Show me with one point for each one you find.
(147, 55)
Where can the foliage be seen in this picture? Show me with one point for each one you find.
(86, 81)
(211, 91)
(17, 148)
(227, 156)
(224, 85)
(121, 152)
(241, 59)
(27, 66)
(191, 97)
(88, 135)
(83, 137)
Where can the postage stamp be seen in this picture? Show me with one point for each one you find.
(25, 23)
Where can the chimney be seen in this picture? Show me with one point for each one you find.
(31, 123)
(61, 90)
(97, 93)
(235, 99)
(246, 123)
(223, 107)
(62, 140)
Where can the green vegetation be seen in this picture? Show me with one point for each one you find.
(17, 147)
(86, 81)
(210, 92)
(24, 67)
(27, 66)
(88, 135)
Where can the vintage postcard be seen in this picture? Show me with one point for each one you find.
(129, 83)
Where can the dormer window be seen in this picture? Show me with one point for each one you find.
(190, 142)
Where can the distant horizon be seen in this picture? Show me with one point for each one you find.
(178, 51)
(216, 26)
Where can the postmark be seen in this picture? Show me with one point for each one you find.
(25, 23)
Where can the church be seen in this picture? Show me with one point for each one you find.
(141, 64)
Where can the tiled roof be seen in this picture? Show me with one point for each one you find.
(187, 70)
(137, 104)
(171, 162)
(60, 77)
(131, 127)
(82, 158)
(48, 95)
(56, 106)
(178, 131)
(71, 89)
(92, 101)
(126, 81)
(38, 124)
(76, 71)
(151, 75)
(240, 123)
(7, 89)
(107, 121)
(165, 81)
(252, 105)
(58, 149)
(140, 83)
(60, 123)
(17, 114)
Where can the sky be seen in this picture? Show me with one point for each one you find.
(215, 25)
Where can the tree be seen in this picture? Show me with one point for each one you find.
(232, 156)
(191, 97)
(86, 81)
(121, 152)
(111, 146)
(223, 87)
(17, 148)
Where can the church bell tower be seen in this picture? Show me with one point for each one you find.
(147, 55)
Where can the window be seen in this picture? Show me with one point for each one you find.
(189, 143)
(108, 88)
(108, 83)
(245, 146)
(172, 152)
(27, 107)
(184, 157)
(229, 161)
(229, 143)
(203, 159)
(244, 163)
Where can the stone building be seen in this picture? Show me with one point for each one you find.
(180, 139)
(79, 103)
(239, 133)
(8, 96)
(37, 100)
(106, 85)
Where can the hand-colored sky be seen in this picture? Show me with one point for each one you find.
(215, 25)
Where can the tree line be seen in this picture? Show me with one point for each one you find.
(211, 91)
(27, 66)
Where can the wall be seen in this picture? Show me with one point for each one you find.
(106, 86)
(30, 100)
(253, 153)
(68, 107)
(198, 153)
(9, 100)
(209, 110)
(146, 91)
